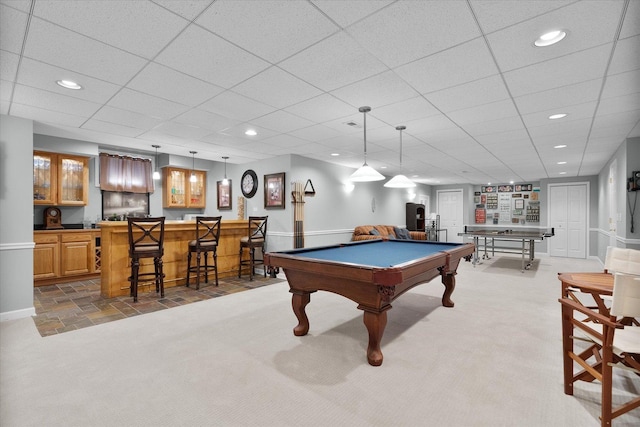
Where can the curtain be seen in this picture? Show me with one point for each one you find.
(123, 173)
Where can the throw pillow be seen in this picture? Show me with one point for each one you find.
(402, 233)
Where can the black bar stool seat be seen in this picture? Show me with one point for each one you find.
(207, 236)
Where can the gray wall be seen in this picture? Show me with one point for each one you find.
(16, 213)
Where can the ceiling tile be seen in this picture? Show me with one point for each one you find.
(272, 30)
(126, 118)
(111, 128)
(276, 87)
(346, 13)
(409, 30)
(493, 111)
(146, 104)
(281, 121)
(332, 63)
(51, 101)
(200, 54)
(558, 98)
(321, 109)
(406, 111)
(473, 94)
(235, 106)
(513, 47)
(450, 67)
(626, 56)
(47, 116)
(6, 89)
(493, 15)
(44, 76)
(139, 27)
(566, 70)
(377, 91)
(574, 112)
(206, 120)
(188, 9)
(79, 53)
(12, 30)
(8, 65)
(631, 25)
(163, 82)
(315, 133)
(622, 84)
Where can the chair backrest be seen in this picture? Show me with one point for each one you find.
(626, 295)
(146, 232)
(622, 260)
(257, 228)
(207, 230)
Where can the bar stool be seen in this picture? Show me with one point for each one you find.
(207, 236)
(255, 238)
(146, 240)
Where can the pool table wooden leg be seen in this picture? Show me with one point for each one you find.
(375, 321)
(449, 282)
(299, 301)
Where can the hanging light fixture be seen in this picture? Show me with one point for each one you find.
(400, 181)
(366, 173)
(156, 173)
(193, 167)
(225, 181)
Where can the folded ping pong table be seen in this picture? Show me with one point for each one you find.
(527, 237)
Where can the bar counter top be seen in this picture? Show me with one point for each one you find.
(116, 266)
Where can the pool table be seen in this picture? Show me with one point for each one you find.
(372, 273)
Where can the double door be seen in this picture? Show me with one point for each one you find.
(568, 206)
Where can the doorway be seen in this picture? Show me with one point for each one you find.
(568, 215)
(450, 208)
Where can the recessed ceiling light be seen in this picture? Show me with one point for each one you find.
(383, 167)
(550, 38)
(560, 146)
(251, 132)
(562, 173)
(335, 154)
(68, 84)
(562, 163)
(557, 116)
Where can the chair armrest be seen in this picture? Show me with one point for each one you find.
(592, 315)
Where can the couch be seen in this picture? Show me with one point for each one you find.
(370, 232)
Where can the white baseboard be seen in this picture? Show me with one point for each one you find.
(17, 314)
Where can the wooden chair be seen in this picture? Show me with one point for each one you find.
(255, 238)
(612, 339)
(146, 240)
(622, 260)
(207, 237)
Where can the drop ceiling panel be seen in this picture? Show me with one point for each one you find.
(182, 130)
(166, 83)
(315, 133)
(200, 54)
(574, 112)
(406, 31)
(493, 15)
(139, 27)
(558, 98)
(513, 47)
(569, 69)
(43, 76)
(406, 111)
(332, 63)
(8, 66)
(507, 124)
(321, 109)
(79, 53)
(187, 9)
(12, 30)
(467, 95)
(383, 89)
(273, 30)
(282, 122)
(142, 103)
(126, 118)
(47, 116)
(625, 57)
(50, 100)
(631, 25)
(237, 107)
(346, 13)
(276, 87)
(622, 84)
(493, 111)
(206, 120)
(450, 67)
(111, 128)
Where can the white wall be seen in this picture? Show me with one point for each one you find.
(16, 213)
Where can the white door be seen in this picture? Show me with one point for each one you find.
(568, 206)
(450, 209)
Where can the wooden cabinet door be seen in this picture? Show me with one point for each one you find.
(73, 180)
(46, 257)
(77, 254)
(175, 188)
(44, 178)
(198, 190)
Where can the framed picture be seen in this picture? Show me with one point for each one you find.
(519, 203)
(224, 195)
(274, 190)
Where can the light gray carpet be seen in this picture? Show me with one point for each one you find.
(492, 360)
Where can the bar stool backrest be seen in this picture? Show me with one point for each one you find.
(207, 231)
(257, 229)
(146, 236)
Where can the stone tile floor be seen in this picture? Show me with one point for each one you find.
(75, 305)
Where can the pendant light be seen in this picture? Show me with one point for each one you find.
(400, 181)
(156, 173)
(225, 181)
(193, 167)
(366, 173)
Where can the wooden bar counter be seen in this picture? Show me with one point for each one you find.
(116, 266)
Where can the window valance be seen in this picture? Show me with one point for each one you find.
(124, 173)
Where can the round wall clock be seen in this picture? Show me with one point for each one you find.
(249, 183)
(52, 218)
